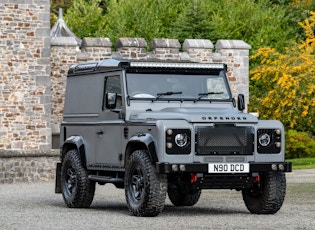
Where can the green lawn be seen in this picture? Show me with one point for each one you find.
(303, 163)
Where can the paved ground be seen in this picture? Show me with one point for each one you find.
(36, 206)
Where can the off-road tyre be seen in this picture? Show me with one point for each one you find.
(77, 189)
(266, 196)
(179, 198)
(145, 190)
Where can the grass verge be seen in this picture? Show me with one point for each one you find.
(303, 163)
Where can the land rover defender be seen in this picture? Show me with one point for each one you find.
(163, 128)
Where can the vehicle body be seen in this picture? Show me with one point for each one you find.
(157, 128)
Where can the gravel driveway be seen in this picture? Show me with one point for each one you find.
(36, 206)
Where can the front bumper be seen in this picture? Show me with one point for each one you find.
(203, 167)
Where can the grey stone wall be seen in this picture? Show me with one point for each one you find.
(25, 94)
(23, 166)
(25, 97)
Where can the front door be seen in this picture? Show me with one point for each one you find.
(109, 147)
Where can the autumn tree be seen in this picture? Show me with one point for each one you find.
(283, 84)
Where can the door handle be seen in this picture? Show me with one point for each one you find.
(100, 132)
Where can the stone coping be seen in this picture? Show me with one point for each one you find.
(25, 153)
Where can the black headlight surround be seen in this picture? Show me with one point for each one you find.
(275, 137)
(171, 147)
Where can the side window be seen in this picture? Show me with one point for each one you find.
(112, 85)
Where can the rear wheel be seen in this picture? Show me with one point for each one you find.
(179, 198)
(145, 190)
(267, 194)
(77, 189)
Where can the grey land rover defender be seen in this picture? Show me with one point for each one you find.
(157, 128)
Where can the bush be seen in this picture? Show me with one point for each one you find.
(299, 145)
(283, 84)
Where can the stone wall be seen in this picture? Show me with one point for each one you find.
(23, 166)
(25, 97)
(25, 91)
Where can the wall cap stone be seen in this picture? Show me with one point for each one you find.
(96, 42)
(164, 43)
(231, 44)
(197, 43)
(63, 41)
(131, 42)
(25, 153)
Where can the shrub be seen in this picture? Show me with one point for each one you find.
(283, 84)
(299, 144)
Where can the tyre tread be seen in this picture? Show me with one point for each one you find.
(272, 197)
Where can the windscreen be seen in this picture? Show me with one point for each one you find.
(177, 86)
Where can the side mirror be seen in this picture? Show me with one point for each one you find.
(241, 102)
(111, 100)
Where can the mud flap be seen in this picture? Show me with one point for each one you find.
(58, 178)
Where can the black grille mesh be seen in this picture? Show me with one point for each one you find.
(224, 140)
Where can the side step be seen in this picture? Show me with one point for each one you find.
(118, 182)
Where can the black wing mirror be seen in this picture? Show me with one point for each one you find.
(241, 102)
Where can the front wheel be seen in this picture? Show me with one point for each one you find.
(145, 190)
(77, 189)
(267, 194)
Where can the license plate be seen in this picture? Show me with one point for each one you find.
(228, 167)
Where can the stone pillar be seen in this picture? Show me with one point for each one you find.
(25, 95)
(165, 49)
(96, 49)
(235, 53)
(63, 55)
(199, 50)
(131, 48)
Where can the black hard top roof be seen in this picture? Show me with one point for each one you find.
(108, 65)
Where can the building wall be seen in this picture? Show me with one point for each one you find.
(25, 94)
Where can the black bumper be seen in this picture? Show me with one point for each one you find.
(203, 167)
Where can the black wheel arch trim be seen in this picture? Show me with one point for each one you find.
(143, 139)
(74, 142)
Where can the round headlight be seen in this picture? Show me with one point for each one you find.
(181, 139)
(264, 139)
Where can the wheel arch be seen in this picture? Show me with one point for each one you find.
(74, 142)
(142, 141)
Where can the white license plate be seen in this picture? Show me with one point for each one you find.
(228, 167)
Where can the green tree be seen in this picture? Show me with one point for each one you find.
(85, 18)
(140, 18)
(258, 23)
(192, 22)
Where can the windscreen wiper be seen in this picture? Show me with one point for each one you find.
(201, 95)
(159, 95)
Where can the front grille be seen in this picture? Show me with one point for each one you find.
(224, 140)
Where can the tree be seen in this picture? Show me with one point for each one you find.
(192, 22)
(259, 23)
(140, 18)
(283, 84)
(85, 18)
